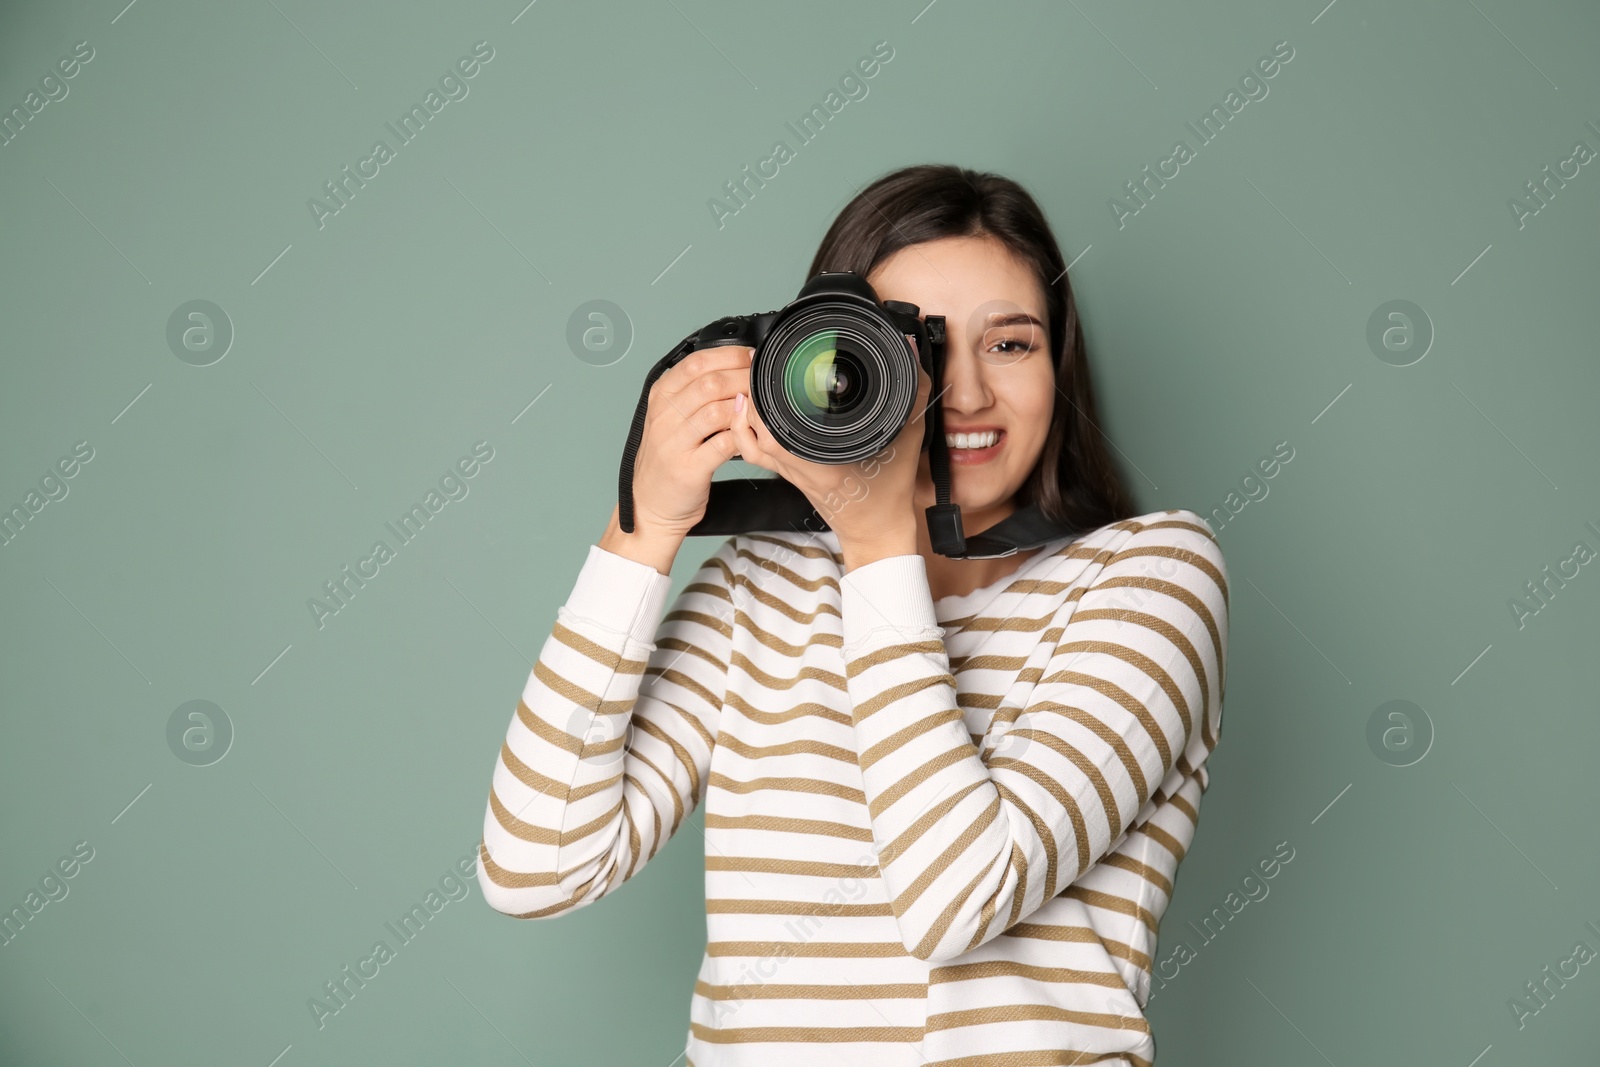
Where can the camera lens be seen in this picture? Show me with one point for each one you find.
(836, 381)
(824, 377)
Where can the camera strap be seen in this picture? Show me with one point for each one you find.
(746, 505)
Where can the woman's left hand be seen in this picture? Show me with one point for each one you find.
(870, 504)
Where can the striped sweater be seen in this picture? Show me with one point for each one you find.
(936, 832)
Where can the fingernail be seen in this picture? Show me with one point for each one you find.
(738, 403)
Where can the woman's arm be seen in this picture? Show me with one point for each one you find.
(1129, 704)
(608, 750)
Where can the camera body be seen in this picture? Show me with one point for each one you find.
(834, 377)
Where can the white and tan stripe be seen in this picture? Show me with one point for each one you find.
(934, 833)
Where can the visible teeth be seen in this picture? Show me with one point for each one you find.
(972, 440)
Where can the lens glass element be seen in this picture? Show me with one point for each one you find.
(825, 377)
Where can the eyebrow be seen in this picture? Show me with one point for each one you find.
(1016, 318)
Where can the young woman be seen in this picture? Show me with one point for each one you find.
(945, 799)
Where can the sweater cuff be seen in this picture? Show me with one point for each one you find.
(890, 593)
(619, 594)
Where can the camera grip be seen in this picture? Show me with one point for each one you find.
(733, 330)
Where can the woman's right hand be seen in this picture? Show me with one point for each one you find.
(687, 436)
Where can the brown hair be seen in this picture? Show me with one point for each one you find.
(1074, 481)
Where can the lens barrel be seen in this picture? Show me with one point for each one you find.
(835, 381)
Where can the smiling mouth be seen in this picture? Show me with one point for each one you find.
(974, 447)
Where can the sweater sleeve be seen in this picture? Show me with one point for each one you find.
(608, 751)
(970, 840)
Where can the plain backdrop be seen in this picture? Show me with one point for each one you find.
(345, 361)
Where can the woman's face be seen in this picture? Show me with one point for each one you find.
(999, 373)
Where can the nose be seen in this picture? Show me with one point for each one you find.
(966, 388)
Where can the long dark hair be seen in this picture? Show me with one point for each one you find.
(1074, 481)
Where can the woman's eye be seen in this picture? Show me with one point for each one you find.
(1015, 348)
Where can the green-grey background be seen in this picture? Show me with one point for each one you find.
(1230, 313)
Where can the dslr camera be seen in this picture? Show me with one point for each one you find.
(834, 379)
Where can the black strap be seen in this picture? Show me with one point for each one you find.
(944, 518)
(742, 505)
(746, 505)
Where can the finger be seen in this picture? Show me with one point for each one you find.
(681, 375)
(703, 423)
(752, 418)
(772, 450)
(750, 449)
(685, 420)
(717, 449)
(713, 389)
